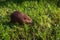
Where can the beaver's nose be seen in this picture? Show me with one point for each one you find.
(31, 22)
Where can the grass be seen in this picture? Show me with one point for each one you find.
(45, 16)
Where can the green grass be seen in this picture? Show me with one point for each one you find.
(45, 16)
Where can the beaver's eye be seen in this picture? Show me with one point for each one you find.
(24, 18)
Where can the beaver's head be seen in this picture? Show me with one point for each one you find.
(27, 19)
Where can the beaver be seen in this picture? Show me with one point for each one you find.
(20, 17)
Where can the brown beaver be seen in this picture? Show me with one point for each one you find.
(20, 18)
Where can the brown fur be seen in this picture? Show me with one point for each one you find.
(20, 18)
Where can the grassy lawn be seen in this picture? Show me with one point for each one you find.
(45, 16)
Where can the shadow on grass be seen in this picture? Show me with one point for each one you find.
(4, 3)
(58, 3)
(7, 24)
